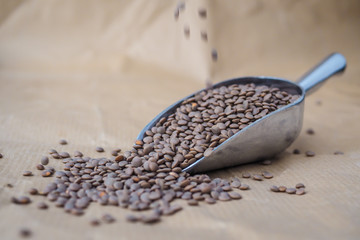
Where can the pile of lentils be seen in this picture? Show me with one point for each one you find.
(149, 176)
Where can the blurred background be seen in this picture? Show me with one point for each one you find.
(134, 54)
(112, 37)
(95, 72)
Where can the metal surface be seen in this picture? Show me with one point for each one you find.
(313, 79)
(269, 135)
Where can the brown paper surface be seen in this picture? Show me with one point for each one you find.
(95, 72)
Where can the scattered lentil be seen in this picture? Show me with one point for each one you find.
(310, 153)
(244, 187)
(33, 191)
(64, 155)
(300, 191)
(202, 13)
(214, 55)
(94, 222)
(108, 218)
(99, 149)
(152, 218)
(44, 160)
(27, 173)
(296, 151)
(192, 202)
(132, 218)
(246, 175)
(224, 196)
(21, 200)
(235, 195)
(204, 36)
(42, 205)
(78, 154)
(187, 31)
(25, 232)
(310, 131)
(267, 175)
(47, 173)
(290, 190)
(274, 188)
(257, 177)
(40, 167)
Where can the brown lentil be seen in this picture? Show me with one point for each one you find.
(192, 202)
(310, 153)
(187, 31)
(108, 218)
(310, 131)
(78, 154)
(21, 200)
(204, 36)
(267, 175)
(64, 155)
(246, 175)
(202, 13)
(235, 195)
(257, 177)
(99, 149)
(132, 218)
(25, 232)
(290, 190)
(214, 55)
(176, 13)
(94, 222)
(244, 187)
(300, 191)
(44, 160)
(42, 205)
(274, 188)
(210, 200)
(33, 191)
(40, 167)
(27, 173)
(296, 151)
(224, 196)
(47, 173)
(52, 151)
(152, 218)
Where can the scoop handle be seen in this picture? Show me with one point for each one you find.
(313, 79)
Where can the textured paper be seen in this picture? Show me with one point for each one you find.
(95, 72)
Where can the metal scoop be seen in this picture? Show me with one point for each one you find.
(269, 135)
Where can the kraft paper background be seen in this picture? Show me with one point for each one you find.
(95, 72)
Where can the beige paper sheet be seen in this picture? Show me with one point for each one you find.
(95, 72)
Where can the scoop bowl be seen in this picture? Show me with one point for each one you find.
(269, 135)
